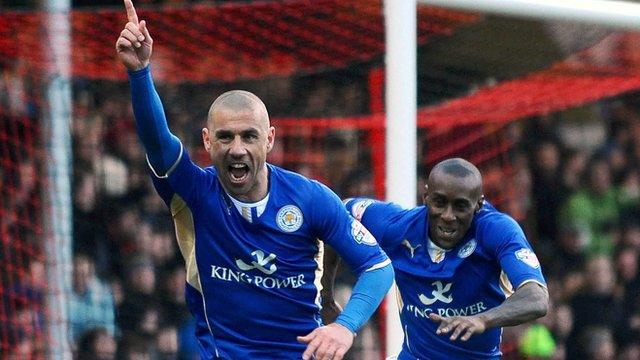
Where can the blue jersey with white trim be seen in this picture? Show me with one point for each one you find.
(493, 258)
(254, 286)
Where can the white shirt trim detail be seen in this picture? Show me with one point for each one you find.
(245, 208)
(379, 265)
(175, 164)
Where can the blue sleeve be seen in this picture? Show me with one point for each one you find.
(185, 179)
(162, 147)
(382, 219)
(504, 237)
(333, 224)
(367, 294)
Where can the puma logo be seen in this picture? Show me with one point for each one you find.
(412, 249)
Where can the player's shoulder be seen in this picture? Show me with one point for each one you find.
(289, 179)
(490, 216)
(383, 209)
(211, 176)
(296, 187)
(490, 222)
(210, 170)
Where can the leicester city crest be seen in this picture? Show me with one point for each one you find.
(289, 218)
(467, 249)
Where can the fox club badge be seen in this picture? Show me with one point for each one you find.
(467, 249)
(289, 218)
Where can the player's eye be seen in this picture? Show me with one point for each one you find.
(461, 206)
(250, 137)
(224, 136)
(438, 202)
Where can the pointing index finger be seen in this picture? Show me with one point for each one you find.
(131, 12)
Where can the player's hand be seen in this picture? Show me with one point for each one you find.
(134, 44)
(459, 325)
(330, 311)
(328, 342)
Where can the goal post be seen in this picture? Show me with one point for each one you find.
(58, 220)
(401, 107)
(618, 14)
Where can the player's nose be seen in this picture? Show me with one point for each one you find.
(448, 214)
(237, 148)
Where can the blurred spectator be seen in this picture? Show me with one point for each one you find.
(595, 305)
(574, 164)
(630, 194)
(595, 208)
(172, 296)
(596, 343)
(167, 343)
(537, 342)
(88, 227)
(91, 301)
(341, 156)
(630, 352)
(96, 344)
(139, 297)
(546, 189)
(565, 260)
(134, 347)
(627, 268)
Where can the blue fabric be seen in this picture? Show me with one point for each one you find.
(367, 294)
(264, 273)
(253, 286)
(469, 279)
(161, 145)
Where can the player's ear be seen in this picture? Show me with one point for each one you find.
(206, 139)
(424, 194)
(271, 136)
(479, 204)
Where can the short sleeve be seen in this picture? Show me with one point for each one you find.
(504, 237)
(384, 220)
(333, 224)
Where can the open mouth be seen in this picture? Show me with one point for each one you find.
(238, 172)
(446, 232)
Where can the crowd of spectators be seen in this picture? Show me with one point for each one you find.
(577, 174)
(583, 187)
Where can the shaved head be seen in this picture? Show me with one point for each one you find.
(239, 101)
(461, 169)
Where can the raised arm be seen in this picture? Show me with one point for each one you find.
(134, 47)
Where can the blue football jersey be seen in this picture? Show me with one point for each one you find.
(493, 258)
(254, 286)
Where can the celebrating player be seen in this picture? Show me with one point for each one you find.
(457, 261)
(247, 229)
